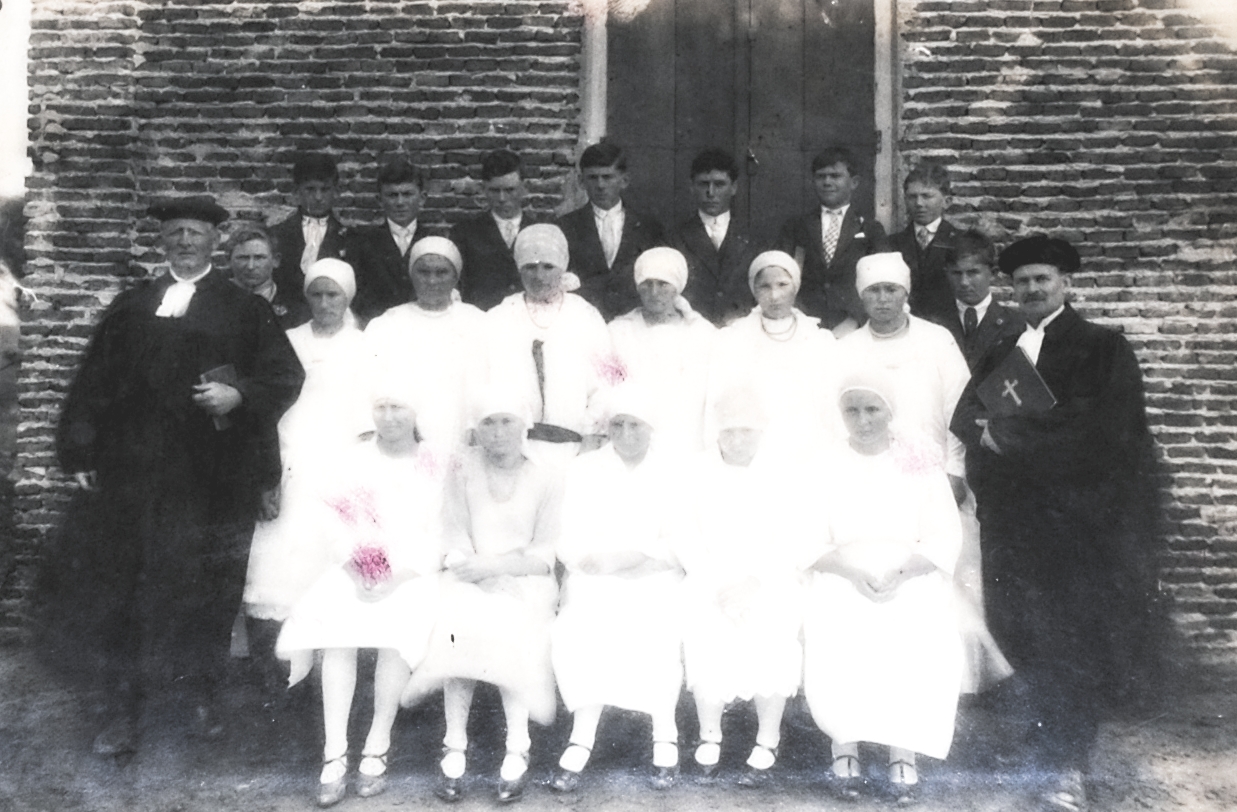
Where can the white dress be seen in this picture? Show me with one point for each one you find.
(750, 533)
(930, 372)
(391, 503)
(578, 363)
(287, 555)
(887, 673)
(795, 379)
(440, 356)
(616, 639)
(498, 630)
(671, 362)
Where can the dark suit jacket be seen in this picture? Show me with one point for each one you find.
(381, 270)
(999, 323)
(489, 273)
(288, 276)
(717, 277)
(612, 290)
(931, 296)
(828, 290)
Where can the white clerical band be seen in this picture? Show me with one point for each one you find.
(176, 300)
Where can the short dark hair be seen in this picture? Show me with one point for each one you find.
(248, 233)
(835, 155)
(929, 174)
(973, 243)
(715, 160)
(400, 170)
(604, 155)
(500, 162)
(314, 166)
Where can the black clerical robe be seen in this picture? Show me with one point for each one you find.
(151, 565)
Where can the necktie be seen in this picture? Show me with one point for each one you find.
(314, 229)
(403, 238)
(923, 237)
(715, 233)
(969, 322)
(609, 236)
(832, 232)
(509, 231)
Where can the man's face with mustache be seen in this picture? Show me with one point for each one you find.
(1039, 290)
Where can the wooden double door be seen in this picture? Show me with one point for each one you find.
(773, 81)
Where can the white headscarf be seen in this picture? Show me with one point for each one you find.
(632, 400)
(439, 246)
(545, 242)
(669, 266)
(740, 408)
(887, 267)
(774, 259)
(337, 271)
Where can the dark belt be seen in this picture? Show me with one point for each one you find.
(549, 433)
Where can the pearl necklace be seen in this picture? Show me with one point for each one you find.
(782, 335)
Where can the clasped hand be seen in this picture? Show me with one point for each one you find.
(216, 399)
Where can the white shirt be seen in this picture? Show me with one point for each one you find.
(930, 228)
(1032, 339)
(981, 309)
(314, 231)
(716, 227)
(610, 229)
(825, 214)
(403, 234)
(509, 228)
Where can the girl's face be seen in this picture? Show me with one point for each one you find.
(739, 445)
(657, 297)
(867, 419)
(396, 422)
(542, 281)
(433, 279)
(630, 436)
(885, 305)
(501, 434)
(327, 303)
(775, 292)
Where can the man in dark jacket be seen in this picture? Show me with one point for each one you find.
(312, 233)
(976, 319)
(927, 240)
(169, 431)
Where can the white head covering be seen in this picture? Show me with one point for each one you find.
(774, 259)
(669, 266)
(740, 408)
(545, 242)
(337, 271)
(440, 246)
(633, 400)
(886, 267)
(870, 378)
(501, 399)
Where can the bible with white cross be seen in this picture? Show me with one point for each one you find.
(1015, 387)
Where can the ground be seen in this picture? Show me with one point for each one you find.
(1181, 757)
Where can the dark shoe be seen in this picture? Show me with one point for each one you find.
(846, 788)
(756, 777)
(512, 791)
(565, 781)
(449, 789)
(367, 786)
(903, 783)
(663, 778)
(1067, 795)
(707, 770)
(332, 792)
(118, 738)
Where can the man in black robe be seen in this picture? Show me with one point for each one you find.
(1067, 502)
(169, 429)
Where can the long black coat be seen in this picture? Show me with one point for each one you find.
(1069, 511)
(152, 565)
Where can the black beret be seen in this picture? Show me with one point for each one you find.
(201, 207)
(1039, 249)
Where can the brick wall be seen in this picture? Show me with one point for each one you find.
(1111, 123)
(130, 100)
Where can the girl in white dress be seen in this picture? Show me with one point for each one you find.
(664, 347)
(745, 565)
(383, 520)
(782, 355)
(435, 343)
(498, 596)
(883, 655)
(287, 555)
(616, 639)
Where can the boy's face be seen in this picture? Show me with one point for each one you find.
(506, 195)
(714, 191)
(317, 197)
(401, 202)
(604, 185)
(834, 185)
(253, 262)
(971, 279)
(924, 203)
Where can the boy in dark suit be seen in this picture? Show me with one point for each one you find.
(716, 248)
(926, 241)
(313, 232)
(379, 254)
(829, 241)
(485, 239)
(606, 236)
(977, 321)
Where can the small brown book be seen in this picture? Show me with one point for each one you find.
(226, 375)
(1015, 387)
